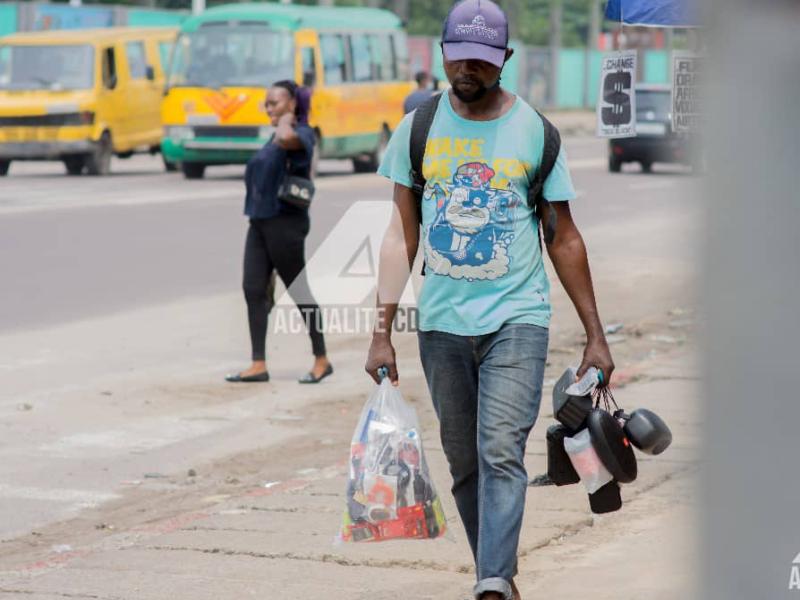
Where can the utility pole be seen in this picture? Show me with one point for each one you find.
(402, 8)
(555, 47)
(513, 14)
(198, 6)
(591, 46)
(594, 23)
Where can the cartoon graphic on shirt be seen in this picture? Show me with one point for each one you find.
(473, 226)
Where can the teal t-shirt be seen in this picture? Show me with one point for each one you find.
(483, 260)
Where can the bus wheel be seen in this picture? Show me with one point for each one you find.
(364, 164)
(99, 161)
(4, 166)
(383, 144)
(192, 170)
(369, 163)
(74, 164)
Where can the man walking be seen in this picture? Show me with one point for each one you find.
(419, 95)
(484, 307)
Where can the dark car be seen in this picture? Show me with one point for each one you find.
(655, 141)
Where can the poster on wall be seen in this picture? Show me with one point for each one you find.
(687, 72)
(616, 103)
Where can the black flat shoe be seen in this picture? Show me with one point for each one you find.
(239, 378)
(309, 377)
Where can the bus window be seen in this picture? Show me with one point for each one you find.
(109, 69)
(5, 65)
(383, 57)
(361, 57)
(164, 50)
(309, 67)
(400, 45)
(333, 58)
(232, 55)
(137, 63)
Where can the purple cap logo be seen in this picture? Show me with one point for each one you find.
(476, 30)
(479, 28)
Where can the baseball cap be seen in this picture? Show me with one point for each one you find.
(476, 29)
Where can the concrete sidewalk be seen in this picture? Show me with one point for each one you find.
(271, 539)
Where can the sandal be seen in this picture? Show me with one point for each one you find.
(309, 377)
(239, 378)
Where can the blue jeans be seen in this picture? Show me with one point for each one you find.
(486, 391)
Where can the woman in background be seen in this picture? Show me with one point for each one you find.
(277, 232)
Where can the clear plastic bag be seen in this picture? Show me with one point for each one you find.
(390, 494)
(587, 463)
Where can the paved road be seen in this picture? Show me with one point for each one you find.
(120, 312)
(75, 248)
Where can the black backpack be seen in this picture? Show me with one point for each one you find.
(421, 126)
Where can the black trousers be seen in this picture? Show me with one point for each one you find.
(278, 244)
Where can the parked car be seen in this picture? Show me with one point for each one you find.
(655, 141)
(81, 96)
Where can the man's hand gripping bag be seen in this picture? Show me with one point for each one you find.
(390, 493)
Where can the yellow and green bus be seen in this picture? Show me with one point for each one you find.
(355, 59)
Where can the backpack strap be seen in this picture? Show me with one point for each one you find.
(420, 127)
(536, 200)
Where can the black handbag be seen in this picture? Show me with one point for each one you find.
(295, 190)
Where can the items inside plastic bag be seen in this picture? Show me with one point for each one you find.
(390, 494)
(587, 463)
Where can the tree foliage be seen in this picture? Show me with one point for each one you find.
(531, 23)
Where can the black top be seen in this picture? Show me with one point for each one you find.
(415, 98)
(266, 170)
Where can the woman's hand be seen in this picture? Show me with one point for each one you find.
(286, 134)
(287, 119)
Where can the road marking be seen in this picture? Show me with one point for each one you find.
(586, 163)
(83, 498)
(33, 196)
(651, 185)
(142, 437)
(130, 192)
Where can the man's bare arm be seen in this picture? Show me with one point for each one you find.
(398, 251)
(568, 254)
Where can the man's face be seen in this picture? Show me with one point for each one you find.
(471, 79)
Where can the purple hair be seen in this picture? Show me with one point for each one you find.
(301, 96)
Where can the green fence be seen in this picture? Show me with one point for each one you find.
(572, 75)
(576, 85)
(155, 18)
(656, 66)
(8, 18)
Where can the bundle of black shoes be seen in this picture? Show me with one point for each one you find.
(613, 436)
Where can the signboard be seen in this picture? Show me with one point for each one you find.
(616, 103)
(654, 13)
(687, 73)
